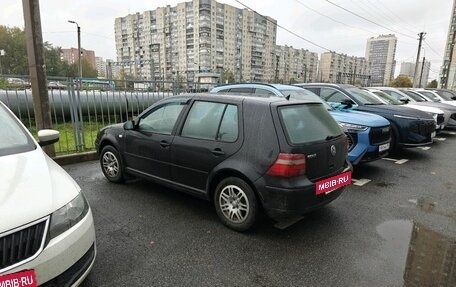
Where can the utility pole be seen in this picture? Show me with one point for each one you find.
(35, 55)
(421, 73)
(449, 60)
(415, 74)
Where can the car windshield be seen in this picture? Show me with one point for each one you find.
(388, 99)
(430, 96)
(414, 96)
(14, 138)
(305, 95)
(446, 95)
(308, 123)
(364, 97)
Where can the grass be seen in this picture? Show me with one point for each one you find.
(67, 143)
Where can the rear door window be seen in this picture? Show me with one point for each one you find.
(308, 123)
(211, 121)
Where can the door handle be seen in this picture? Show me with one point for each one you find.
(164, 144)
(217, 152)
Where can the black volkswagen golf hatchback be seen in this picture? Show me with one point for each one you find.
(246, 155)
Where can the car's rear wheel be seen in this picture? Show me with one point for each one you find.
(236, 204)
(111, 164)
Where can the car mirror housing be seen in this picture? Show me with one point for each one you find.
(47, 137)
(129, 125)
(404, 100)
(347, 102)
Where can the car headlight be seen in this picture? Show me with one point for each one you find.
(67, 216)
(352, 127)
(406, 117)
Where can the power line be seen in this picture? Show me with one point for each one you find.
(388, 16)
(432, 49)
(289, 31)
(368, 20)
(345, 24)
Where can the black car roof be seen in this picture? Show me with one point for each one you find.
(240, 98)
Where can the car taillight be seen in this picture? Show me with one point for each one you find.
(288, 165)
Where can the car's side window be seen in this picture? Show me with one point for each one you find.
(316, 91)
(240, 91)
(162, 120)
(264, 93)
(332, 95)
(228, 131)
(211, 121)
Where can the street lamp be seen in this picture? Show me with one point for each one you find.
(79, 47)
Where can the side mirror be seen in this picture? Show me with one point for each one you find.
(404, 100)
(129, 125)
(347, 102)
(453, 97)
(47, 137)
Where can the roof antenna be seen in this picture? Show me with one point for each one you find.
(288, 97)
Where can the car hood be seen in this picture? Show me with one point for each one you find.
(442, 106)
(359, 118)
(32, 186)
(425, 108)
(390, 110)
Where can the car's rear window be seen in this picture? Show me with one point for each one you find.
(307, 123)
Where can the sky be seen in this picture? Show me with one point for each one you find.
(310, 19)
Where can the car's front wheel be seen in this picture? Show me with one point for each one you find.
(236, 204)
(111, 164)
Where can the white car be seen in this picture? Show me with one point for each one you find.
(46, 224)
(437, 114)
(434, 97)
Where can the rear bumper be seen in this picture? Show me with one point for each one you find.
(279, 202)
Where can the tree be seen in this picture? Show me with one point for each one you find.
(432, 84)
(402, 82)
(12, 40)
(226, 77)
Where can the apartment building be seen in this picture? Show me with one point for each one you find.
(344, 69)
(448, 70)
(380, 53)
(191, 38)
(101, 67)
(71, 56)
(408, 69)
(294, 65)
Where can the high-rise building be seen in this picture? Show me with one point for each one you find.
(101, 67)
(344, 69)
(380, 53)
(408, 69)
(449, 65)
(191, 38)
(71, 56)
(294, 65)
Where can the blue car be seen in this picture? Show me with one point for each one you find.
(369, 135)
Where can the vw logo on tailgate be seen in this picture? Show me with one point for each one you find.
(333, 150)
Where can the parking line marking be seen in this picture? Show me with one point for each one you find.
(360, 182)
(424, 147)
(440, 139)
(396, 161)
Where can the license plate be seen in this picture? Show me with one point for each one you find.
(383, 147)
(330, 184)
(433, 135)
(22, 279)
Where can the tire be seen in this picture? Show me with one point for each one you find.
(111, 164)
(236, 204)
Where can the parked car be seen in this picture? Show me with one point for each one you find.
(213, 148)
(368, 135)
(46, 225)
(411, 128)
(403, 100)
(434, 96)
(446, 108)
(53, 85)
(446, 94)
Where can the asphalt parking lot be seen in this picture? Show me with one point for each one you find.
(395, 226)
